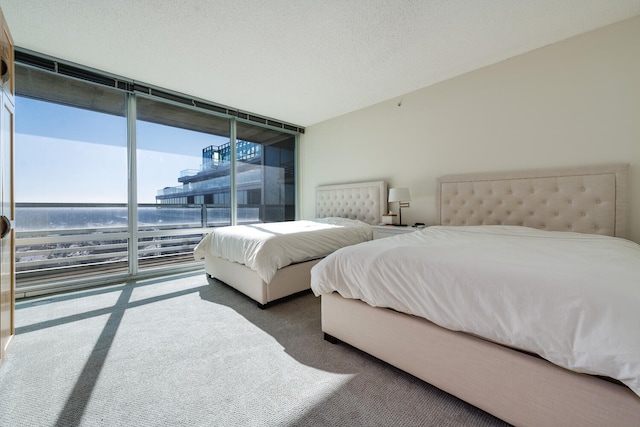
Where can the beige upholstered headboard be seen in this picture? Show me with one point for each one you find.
(589, 199)
(365, 201)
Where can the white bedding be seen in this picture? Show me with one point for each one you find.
(573, 299)
(267, 247)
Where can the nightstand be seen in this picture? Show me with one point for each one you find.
(382, 231)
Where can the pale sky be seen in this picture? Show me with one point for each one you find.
(76, 156)
(57, 170)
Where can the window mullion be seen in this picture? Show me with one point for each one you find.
(232, 178)
(133, 184)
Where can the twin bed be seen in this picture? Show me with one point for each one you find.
(270, 261)
(498, 304)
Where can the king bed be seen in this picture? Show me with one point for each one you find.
(522, 301)
(270, 261)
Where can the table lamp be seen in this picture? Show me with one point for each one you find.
(402, 196)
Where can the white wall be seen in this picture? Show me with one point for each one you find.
(576, 102)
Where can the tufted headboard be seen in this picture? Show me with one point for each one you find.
(589, 199)
(366, 201)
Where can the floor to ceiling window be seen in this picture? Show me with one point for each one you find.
(182, 186)
(70, 179)
(114, 180)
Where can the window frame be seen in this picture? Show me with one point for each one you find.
(41, 63)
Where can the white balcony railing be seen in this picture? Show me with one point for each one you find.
(61, 241)
(65, 240)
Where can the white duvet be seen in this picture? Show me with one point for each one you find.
(573, 299)
(267, 247)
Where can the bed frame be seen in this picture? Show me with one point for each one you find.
(365, 201)
(520, 388)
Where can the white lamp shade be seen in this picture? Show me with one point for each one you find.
(399, 195)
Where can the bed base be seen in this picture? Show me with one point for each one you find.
(289, 280)
(516, 387)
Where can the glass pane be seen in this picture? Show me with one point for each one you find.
(265, 174)
(70, 189)
(181, 183)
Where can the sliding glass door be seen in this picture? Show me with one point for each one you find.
(70, 181)
(182, 182)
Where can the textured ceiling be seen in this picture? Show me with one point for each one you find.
(299, 61)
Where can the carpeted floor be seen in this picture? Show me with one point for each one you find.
(187, 351)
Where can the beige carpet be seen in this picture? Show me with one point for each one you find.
(187, 351)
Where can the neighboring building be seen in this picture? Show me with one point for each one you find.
(265, 189)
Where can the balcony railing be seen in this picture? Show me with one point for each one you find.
(71, 241)
(60, 241)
